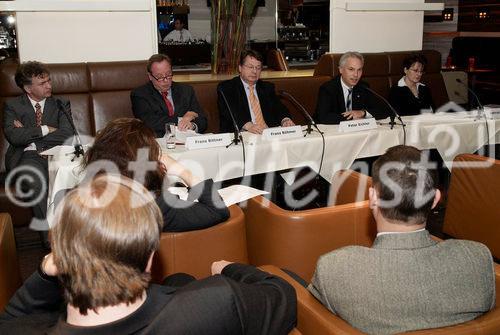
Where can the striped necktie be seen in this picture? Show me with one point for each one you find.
(348, 104)
(255, 105)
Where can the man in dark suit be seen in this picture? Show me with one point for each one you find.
(253, 101)
(163, 101)
(103, 266)
(406, 280)
(344, 98)
(34, 122)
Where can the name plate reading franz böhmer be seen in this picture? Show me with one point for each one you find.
(357, 125)
(282, 132)
(208, 141)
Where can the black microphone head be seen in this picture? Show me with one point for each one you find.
(459, 81)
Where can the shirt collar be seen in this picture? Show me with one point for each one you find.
(33, 102)
(399, 232)
(402, 83)
(344, 85)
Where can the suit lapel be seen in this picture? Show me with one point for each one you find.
(28, 111)
(156, 96)
(48, 111)
(243, 98)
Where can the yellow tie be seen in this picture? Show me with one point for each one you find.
(254, 103)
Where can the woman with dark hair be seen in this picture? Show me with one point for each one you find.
(410, 96)
(121, 142)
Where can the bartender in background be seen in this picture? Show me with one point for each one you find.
(179, 34)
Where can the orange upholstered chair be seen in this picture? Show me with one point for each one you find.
(193, 252)
(10, 277)
(473, 207)
(315, 319)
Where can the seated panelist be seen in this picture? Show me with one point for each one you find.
(253, 102)
(410, 96)
(96, 280)
(120, 143)
(162, 100)
(345, 97)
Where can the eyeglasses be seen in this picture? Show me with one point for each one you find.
(251, 67)
(417, 71)
(164, 78)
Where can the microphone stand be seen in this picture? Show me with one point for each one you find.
(237, 134)
(480, 107)
(78, 145)
(301, 108)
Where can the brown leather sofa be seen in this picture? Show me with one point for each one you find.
(473, 206)
(314, 318)
(10, 277)
(382, 70)
(194, 252)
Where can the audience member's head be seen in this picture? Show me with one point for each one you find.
(160, 72)
(414, 66)
(34, 79)
(404, 187)
(104, 236)
(351, 67)
(120, 143)
(250, 66)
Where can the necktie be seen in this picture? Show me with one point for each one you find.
(182, 39)
(348, 105)
(257, 112)
(170, 108)
(38, 114)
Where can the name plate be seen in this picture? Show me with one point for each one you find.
(492, 113)
(282, 132)
(357, 125)
(208, 141)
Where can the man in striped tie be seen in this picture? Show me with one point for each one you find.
(253, 102)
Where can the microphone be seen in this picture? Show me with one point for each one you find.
(480, 107)
(393, 110)
(302, 109)
(237, 135)
(78, 145)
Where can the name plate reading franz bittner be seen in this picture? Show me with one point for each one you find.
(208, 141)
(357, 125)
(282, 132)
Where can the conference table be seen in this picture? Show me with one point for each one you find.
(449, 133)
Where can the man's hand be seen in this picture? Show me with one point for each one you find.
(51, 129)
(48, 266)
(18, 124)
(175, 168)
(185, 123)
(354, 115)
(287, 122)
(253, 128)
(217, 267)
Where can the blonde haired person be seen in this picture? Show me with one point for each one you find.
(103, 242)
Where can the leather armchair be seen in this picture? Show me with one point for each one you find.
(193, 252)
(10, 278)
(349, 186)
(314, 318)
(276, 60)
(295, 240)
(472, 210)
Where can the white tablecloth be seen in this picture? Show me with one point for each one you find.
(450, 134)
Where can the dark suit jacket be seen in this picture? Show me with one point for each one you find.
(243, 300)
(272, 108)
(331, 102)
(181, 215)
(20, 108)
(148, 105)
(405, 103)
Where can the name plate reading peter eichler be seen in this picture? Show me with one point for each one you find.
(208, 141)
(357, 125)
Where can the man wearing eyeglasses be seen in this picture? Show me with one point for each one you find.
(344, 97)
(162, 100)
(253, 102)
